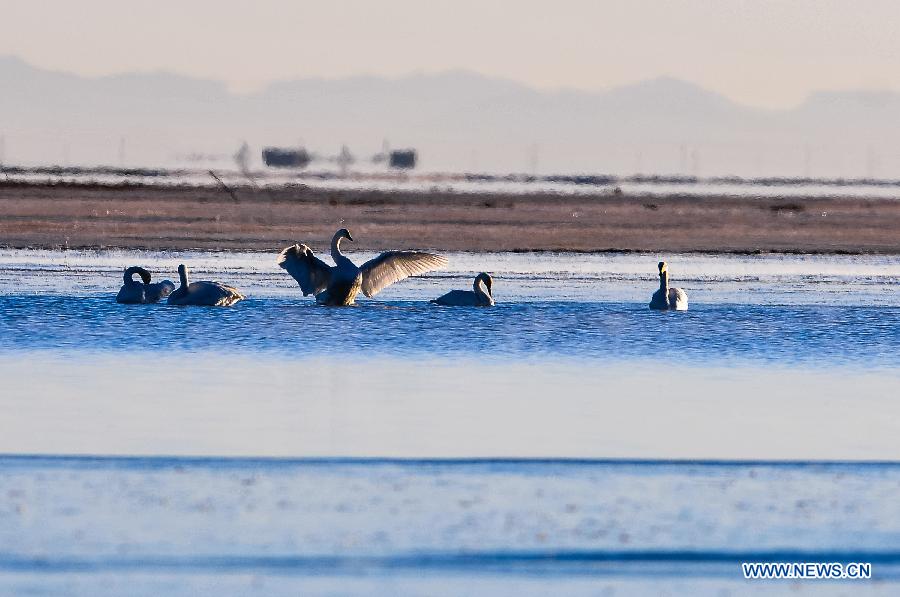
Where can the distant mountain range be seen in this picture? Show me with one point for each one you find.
(459, 121)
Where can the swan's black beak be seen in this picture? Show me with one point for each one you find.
(350, 237)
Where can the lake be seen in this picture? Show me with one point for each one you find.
(569, 439)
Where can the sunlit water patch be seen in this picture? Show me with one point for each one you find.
(297, 402)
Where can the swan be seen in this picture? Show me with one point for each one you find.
(477, 297)
(668, 298)
(137, 293)
(340, 284)
(211, 294)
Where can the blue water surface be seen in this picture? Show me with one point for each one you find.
(787, 334)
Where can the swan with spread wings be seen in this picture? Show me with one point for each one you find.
(338, 285)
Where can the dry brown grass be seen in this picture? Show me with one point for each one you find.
(79, 215)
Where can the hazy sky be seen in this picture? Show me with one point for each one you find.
(765, 53)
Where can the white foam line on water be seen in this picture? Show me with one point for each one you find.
(638, 264)
(743, 279)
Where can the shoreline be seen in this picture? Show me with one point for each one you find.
(55, 215)
(322, 250)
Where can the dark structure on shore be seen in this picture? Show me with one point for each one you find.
(404, 159)
(279, 157)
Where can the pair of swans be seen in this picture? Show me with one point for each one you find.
(209, 294)
(668, 299)
(339, 285)
(134, 292)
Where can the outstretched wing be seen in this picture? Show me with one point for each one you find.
(311, 273)
(394, 266)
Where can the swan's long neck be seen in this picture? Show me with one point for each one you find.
(336, 247)
(131, 271)
(183, 275)
(480, 289)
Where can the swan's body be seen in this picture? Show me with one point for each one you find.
(668, 299)
(141, 292)
(209, 294)
(339, 285)
(481, 294)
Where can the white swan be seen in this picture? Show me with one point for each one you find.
(668, 298)
(210, 294)
(139, 293)
(340, 284)
(477, 297)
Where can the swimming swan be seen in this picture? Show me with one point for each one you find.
(210, 294)
(477, 297)
(139, 293)
(668, 298)
(340, 284)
